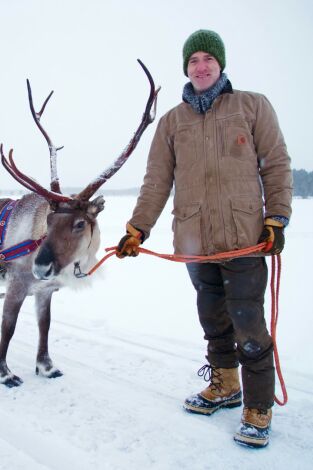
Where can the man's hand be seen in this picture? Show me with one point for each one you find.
(273, 235)
(129, 244)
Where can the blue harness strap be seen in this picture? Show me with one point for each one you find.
(4, 218)
(20, 249)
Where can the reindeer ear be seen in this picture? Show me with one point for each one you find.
(96, 206)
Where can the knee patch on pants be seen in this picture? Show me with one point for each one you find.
(251, 348)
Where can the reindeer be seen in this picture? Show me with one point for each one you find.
(47, 239)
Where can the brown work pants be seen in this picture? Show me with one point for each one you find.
(230, 298)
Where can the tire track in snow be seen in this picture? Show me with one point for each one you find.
(22, 438)
(88, 335)
(13, 458)
(121, 401)
(92, 335)
(91, 374)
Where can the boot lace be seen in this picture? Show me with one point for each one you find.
(211, 374)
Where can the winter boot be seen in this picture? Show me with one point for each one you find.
(223, 392)
(254, 427)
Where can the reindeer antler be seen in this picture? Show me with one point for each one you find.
(147, 119)
(28, 182)
(85, 195)
(54, 185)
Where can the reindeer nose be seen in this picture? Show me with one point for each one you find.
(43, 272)
(44, 264)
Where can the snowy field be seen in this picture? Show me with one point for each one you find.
(130, 348)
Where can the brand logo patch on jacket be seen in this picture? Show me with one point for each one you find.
(241, 139)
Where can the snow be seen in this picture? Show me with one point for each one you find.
(130, 347)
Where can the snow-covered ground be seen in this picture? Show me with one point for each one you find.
(130, 348)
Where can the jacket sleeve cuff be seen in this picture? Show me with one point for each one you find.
(280, 218)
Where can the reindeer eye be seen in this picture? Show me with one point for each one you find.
(79, 225)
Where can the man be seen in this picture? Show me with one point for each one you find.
(225, 154)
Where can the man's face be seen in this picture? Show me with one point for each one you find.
(203, 71)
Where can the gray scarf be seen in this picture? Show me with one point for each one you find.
(201, 103)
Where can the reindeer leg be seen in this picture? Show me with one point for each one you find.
(44, 365)
(13, 301)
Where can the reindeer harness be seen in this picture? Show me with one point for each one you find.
(20, 249)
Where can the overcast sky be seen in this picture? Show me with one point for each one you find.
(86, 52)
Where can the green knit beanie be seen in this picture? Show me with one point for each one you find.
(206, 41)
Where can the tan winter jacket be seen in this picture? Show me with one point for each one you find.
(229, 167)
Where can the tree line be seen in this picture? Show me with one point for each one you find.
(302, 183)
(302, 187)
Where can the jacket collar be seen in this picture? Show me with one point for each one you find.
(227, 88)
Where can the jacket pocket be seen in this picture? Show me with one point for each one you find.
(187, 230)
(236, 139)
(185, 147)
(248, 219)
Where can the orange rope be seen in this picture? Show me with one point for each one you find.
(96, 266)
(188, 258)
(184, 258)
(275, 284)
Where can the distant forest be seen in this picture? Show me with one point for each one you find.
(302, 187)
(302, 183)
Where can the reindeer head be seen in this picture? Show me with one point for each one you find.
(72, 230)
(72, 239)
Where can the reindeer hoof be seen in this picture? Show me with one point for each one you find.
(54, 374)
(11, 381)
(51, 373)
